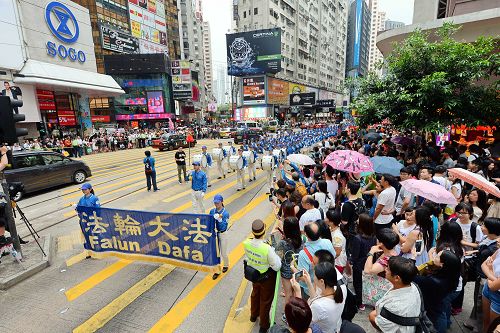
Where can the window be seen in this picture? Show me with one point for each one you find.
(52, 159)
(256, 11)
(244, 14)
(27, 161)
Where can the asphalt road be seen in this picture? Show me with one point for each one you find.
(115, 295)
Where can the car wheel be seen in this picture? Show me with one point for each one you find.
(19, 195)
(170, 148)
(79, 176)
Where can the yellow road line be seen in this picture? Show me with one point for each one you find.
(216, 191)
(76, 258)
(94, 280)
(238, 318)
(104, 315)
(179, 312)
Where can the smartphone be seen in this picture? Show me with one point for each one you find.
(271, 197)
(418, 246)
(299, 274)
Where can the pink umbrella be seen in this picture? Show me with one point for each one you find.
(170, 124)
(431, 191)
(349, 161)
(475, 180)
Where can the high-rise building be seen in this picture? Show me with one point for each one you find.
(172, 15)
(377, 24)
(207, 60)
(221, 84)
(389, 24)
(313, 37)
(358, 39)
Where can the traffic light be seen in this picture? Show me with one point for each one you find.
(8, 131)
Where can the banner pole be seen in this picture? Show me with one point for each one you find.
(275, 299)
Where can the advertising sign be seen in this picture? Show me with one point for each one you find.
(101, 119)
(357, 32)
(296, 88)
(442, 138)
(147, 22)
(143, 116)
(325, 103)
(118, 41)
(254, 90)
(155, 102)
(302, 99)
(277, 91)
(185, 240)
(182, 87)
(250, 113)
(254, 52)
(135, 101)
(150, 47)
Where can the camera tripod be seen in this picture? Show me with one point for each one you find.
(34, 234)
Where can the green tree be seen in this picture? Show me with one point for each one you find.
(434, 81)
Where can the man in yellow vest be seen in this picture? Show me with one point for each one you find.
(261, 265)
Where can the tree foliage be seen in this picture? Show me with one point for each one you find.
(434, 81)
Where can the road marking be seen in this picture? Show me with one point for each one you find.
(94, 280)
(108, 312)
(238, 318)
(179, 312)
(180, 195)
(77, 258)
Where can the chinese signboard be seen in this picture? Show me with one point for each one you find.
(185, 240)
(277, 91)
(117, 41)
(148, 22)
(254, 90)
(181, 80)
(254, 52)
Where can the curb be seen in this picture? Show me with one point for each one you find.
(33, 269)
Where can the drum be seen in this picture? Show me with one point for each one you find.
(249, 155)
(236, 162)
(268, 163)
(283, 153)
(202, 159)
(228, 150)
(277, 153)
(218, 154)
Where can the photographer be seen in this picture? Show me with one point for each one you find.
(4, 162)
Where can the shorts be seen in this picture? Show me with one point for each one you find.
(493, 297)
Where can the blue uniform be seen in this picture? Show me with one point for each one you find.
(223, 224)
(209, 158)
(151, 162)
(198, 181)
(90, 201)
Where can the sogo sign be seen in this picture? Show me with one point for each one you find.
(63, 25)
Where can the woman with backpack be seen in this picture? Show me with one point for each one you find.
(419, 241)
(323, 197)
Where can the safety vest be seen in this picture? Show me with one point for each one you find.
(257, 256)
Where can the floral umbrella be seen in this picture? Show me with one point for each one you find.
(349, 161)
(475, 180)
(431, 191)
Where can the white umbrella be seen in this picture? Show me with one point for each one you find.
(300, 159)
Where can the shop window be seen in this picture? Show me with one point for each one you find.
(256, 11)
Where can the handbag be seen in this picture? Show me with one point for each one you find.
(253, 275)
(374, 288)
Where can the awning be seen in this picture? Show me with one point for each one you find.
(60, 78)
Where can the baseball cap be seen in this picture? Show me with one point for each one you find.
(86, 186)
(218, 198)
(203, 147)
(196, 163)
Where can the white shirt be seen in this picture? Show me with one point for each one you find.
(325, 203)
(387, 198)
(311, 215)
(339, 240)
(326, 313)
(467, 236)
(332, 187)
(404, 302)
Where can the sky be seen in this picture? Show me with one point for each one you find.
(218, 14)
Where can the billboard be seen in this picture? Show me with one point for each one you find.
(181, 80)
(148, 23)
(118, 41)
(296, 88)
(254, 90)
(357, 32)
(254, 52)
(155, 102)
(250, 113)
(325, 103)
(302, 99)
(277, 91)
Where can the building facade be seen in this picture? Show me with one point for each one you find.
(313, 37)
(174, 44)
(358, 39)
(377, 24)
(389, 24)
(207, 61)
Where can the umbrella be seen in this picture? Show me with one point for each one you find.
(372, 136)
(431, 191)
(475, 180)
(495, 151)
(349, 161)
(384, 164)
(402, 140)
(300, 159)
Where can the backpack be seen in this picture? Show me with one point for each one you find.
(422, 323)
(301, 188)
(147, 167)
(359, 208)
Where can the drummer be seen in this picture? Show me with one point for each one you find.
(231, 152)
(270, 173)
(240, 173)
(205, 168)
(251, 164)
(220, 167)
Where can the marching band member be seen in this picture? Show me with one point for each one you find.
(221, 216)
(232, 151)
(270, 173)
(199, 187)
(240, 173)
(220, 167)
(209, 164)
(251, 165)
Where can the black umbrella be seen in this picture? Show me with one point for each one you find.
(372, 136)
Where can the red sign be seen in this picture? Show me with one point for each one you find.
(46, 104)
(143, 116)
(134, 124)
(65, 113)
(44, 93)
(67, 120)
(101, 119)
(189, 138)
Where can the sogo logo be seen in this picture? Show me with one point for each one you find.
(62, 23)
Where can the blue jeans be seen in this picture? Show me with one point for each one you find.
(151, 178)
(447, 306)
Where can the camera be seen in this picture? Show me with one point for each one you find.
(14, 189)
